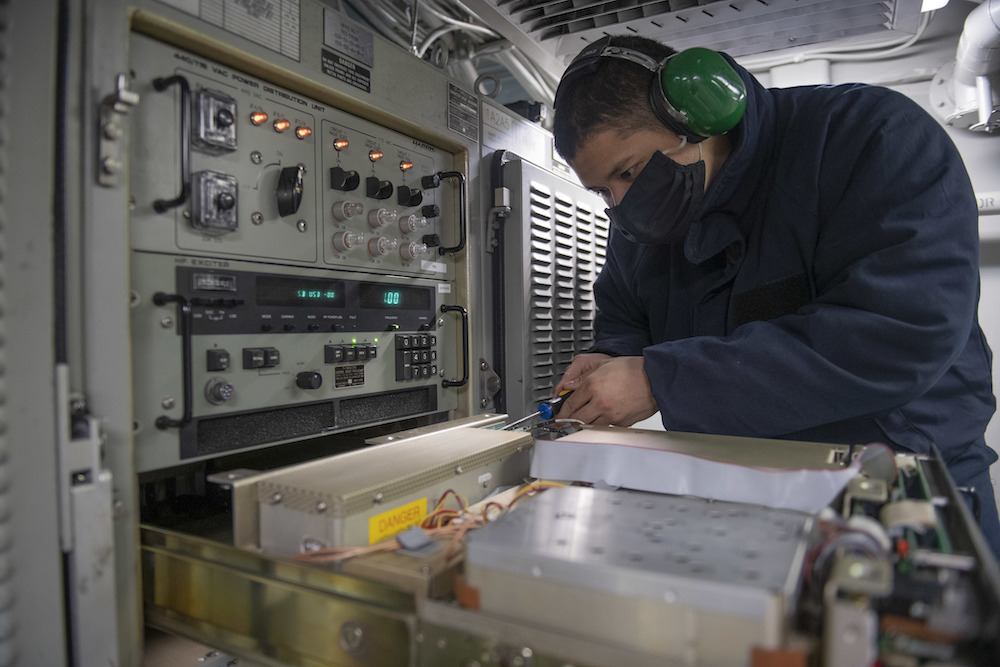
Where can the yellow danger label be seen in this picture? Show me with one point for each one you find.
(396, 520)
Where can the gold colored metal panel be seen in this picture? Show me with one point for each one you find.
(281, 611)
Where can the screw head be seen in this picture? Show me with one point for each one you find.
(352, 637)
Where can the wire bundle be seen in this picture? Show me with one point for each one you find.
(442, 521)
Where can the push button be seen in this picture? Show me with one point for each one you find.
(253, 357)
(271, 357)
(333, 354)
(217, 360)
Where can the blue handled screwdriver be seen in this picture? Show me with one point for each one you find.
(546, 409)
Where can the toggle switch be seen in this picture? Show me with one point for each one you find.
(409, 196)
(377, 189)
(343, 180)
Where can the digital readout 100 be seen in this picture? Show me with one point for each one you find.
(392, 298)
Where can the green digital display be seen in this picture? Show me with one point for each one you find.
(404, 297)
(285, 291)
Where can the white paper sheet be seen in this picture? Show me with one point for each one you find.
(646, 467)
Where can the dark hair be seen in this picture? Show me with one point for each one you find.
(614, 96)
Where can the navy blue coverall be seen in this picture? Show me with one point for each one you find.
(827, 292)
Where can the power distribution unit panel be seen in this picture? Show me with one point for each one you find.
(230, 165)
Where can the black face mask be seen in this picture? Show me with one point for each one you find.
(662, 202)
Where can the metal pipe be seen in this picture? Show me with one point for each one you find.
(978, 53)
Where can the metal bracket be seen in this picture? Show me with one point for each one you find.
(110, 147)
(489, 383)
(87, 530)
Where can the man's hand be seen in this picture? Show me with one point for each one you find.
(583, 364)
(607, 390)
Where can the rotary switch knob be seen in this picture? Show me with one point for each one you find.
(289, 192)
(224, 201)
(309, 380)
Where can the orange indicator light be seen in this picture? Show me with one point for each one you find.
(375, 155)
(282, 124)
(258, 117)
(405, 165)
(303, 132)
(341, 144)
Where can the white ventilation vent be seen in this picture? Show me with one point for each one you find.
(553, 31)
(556, 244)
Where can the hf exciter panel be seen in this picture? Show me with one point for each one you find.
(293, 265)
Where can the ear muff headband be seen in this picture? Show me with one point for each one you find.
(695, 93)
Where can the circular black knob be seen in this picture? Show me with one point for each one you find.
(309, 380)
(224, 118)
(430, 211)
(225, 201)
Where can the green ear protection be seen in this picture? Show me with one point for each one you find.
(695, 93)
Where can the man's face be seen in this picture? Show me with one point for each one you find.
(608, 162)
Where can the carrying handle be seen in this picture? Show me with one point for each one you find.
(465, 346)
(161, 84)
(461, 211)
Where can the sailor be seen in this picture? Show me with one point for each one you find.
(796, 263)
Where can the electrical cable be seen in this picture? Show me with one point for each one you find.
(455, 524)
(445, 29)
(59, 185)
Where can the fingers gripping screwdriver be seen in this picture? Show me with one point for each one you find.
(546, 409)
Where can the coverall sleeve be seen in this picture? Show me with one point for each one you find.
(622, 327)
(895, 270)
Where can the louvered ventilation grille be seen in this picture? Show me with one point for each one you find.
(738, 27)
(568, 241)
